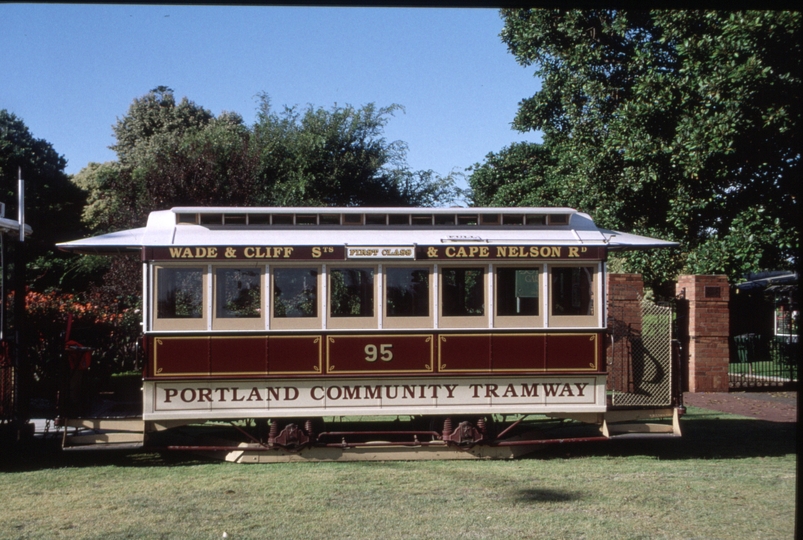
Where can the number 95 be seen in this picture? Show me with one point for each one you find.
(384, 352)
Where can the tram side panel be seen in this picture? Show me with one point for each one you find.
(193, 377)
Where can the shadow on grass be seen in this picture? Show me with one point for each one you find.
(548, 495)
(706, 435)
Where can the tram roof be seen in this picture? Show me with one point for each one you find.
(217, 226)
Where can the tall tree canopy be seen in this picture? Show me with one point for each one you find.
(679, 124)
(52, 203)
(172, 154)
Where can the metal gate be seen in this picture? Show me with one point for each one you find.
(640, 354)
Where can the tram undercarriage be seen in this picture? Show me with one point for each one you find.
(370, 438)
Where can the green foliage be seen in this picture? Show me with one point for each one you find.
(52, 202)
(679, 124)
(179, 154)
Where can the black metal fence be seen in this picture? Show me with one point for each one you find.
(763, 361)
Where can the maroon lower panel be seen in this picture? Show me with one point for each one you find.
(367, 354)
(238, 355)
(380, 353)
(295, 355)
(464, 352)
(518, 352)
(180, 356)
(573, 352)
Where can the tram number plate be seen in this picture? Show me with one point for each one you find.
(380, 353)
(384, 352)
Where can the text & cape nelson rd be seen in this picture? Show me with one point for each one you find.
(356, 392)
(452, 252)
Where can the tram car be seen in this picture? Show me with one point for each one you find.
(379, 331)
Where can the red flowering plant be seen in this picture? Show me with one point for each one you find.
(109, 326)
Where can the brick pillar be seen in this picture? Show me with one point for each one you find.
(708, 349)
(624, 323)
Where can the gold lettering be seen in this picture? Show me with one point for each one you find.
(316, 252)
(484, 251)
(287, 252)
(248, 252)
(200, 252)
(472, 251)
(501, 251)
(186, 254)
(462, 252)
(545, 251)
(175, 252)
(573, 252)
(514, 251)
(211, 252)
(450, 251)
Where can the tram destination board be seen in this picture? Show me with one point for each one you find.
(340, 253)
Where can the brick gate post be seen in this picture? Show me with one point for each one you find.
(624, 322)
(709, 329)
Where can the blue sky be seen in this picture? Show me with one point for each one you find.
(69, 71)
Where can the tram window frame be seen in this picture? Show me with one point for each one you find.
(353, 321)
(289, 323)
(179, 323)
(463, 321)
(572, 320)
(238, 323)
(408, 321)
(521, 320)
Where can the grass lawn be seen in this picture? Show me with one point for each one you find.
(728, 478)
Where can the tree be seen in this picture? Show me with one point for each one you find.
(338, 157)
(678, 124)
(179, 154)
(52, 202)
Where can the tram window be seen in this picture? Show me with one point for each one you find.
(234, 219)
(463, 292)
(352, 219)
(295, 293)
(490, 219)
(512, 219)
(536, 219)
(376, 219)
(259, 219)
(282, 219)
(329, 219)
(558, 219)
(421, 219)
(351, 292)
(180, 295)
(211, 219)
(572, 296)
(407, 292)
(238, 301)
(238, 293)
(306, 219)
(186, 218)
(468, 219)
(398, 219)
(517, 292)
(444, 219)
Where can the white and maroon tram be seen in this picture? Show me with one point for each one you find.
(287, 316)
